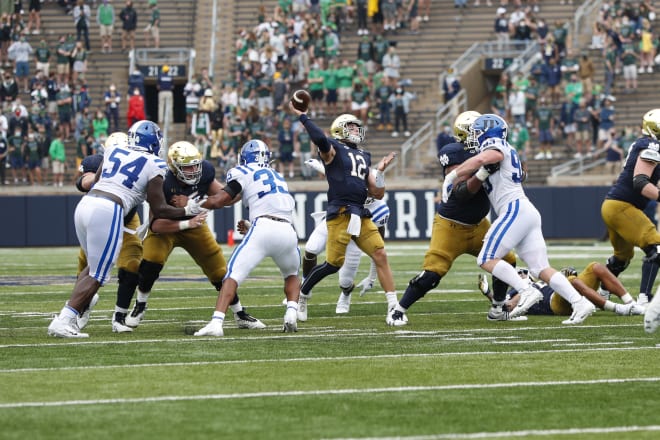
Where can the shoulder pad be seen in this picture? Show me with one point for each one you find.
(650, 155)
(91, 163)
(492, 143)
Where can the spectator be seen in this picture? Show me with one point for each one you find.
(129, 18)
(21, 52)
(383, 93)
(100, 124)
(545, 126)
(42, 57)
(165, 97)
(586, 72)
(52, 88)
(205, 81)
(519, 138)
(501, 28)
(646, 47)
(112, 98)
(610, 57)
(605, 118)
(315, 84)
(582, 118)
(192, 91)
(391, 66)
(57, 155)
(81, 15)
(83, 124)
(15, 152)
(613, 154)
(401, 104)
(344, 77)
(360, 101)
(34, 19)
(79, 57)
(517, 103)
(444, 137)
(3, 160)
(105, 18)
(81, 99)
(629, 59)
(32, 154)
(450, 85)
(8, 91)
(5, 38)
(286, 150)
(63, 66)
(153, 28)
(264, 88)
(135, 110)
(412, 14)
(64, 107)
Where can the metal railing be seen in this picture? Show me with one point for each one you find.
(584, 16)
(576, 167)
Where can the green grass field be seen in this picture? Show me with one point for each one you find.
(449, 374)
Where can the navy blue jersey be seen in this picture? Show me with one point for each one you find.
(471, 211)
(542, 307)
(347, 173)
(173, 186)
(623, 187)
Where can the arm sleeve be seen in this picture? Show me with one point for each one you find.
(233, 188)
(315, 133)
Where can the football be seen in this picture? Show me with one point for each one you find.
(301, 99)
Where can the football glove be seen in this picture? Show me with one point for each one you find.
(316, 165)
(365, 285)
(194, 207)
(448, 185)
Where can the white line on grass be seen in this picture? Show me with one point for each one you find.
(526, 433)
(329, 392)
(317, 359)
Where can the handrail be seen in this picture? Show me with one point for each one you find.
(566, 168)
(582, 22)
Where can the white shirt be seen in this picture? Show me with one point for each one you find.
(504, 185)
(126, 174)
(264, 191)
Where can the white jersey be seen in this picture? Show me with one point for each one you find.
(504, 185)
(126, 174)
(264, 191)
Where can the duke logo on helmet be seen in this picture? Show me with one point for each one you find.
(488, 126)
(145, 136)
(255, 152)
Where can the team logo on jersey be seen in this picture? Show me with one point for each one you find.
(653, 146)
(443, 159)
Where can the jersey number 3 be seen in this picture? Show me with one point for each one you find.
(268, 177)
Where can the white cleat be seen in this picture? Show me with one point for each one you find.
(343, 304)
(83, 318)
(302, 306)
(290, 321)
(581, 311)
(628, 309)
(119, 324)
(213, 328)
(245, 320)
(136, 315)
(529, 296)
(643, 299)
(65, 329)
(396, 318)
(652, 315)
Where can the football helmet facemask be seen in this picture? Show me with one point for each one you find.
(116, 139)
(462, 125)
(488, 126)
(255, 152)
(651, 124)
(145, 136)
(185, 162)
(341, 131)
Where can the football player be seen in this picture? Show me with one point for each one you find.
(459, 227)
(586, 282)
(316, 243)
(623, 211)
(188, 177)
(351, 179)
(518, 223)
(266, 195)
(130, 253)
(127, 177)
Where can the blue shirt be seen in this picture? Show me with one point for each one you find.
(165, 82)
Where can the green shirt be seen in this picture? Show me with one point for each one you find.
(106, 15)
(155, 17)
(329, 79)
(315, 74)
(57, 151)
(42, 54)
(345, 76)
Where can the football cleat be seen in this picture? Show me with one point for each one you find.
(483, 284)
(119, 323)
(245, 320)
(581, 311)
(302, 307)
(529, 296)
(65, 329)
(137, 314)
(628, 309)
(497, 313)
(643, 299)
(396, 318)
(652, 315)
(343, 303)
(83, 318)
(290, 321)
(213, 328)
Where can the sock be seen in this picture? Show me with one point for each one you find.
(292, 305)
(142, 297)
(391, 299)
(68, 313)
(236, 307)
(400, 308)
(498, 303)
(627, 298)
(508, 274)
(219, 316)
(564, 288)
(610, 306)
(121, 310)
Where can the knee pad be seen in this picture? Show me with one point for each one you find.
(424, 282)
(617, 266)
(217, 285)
(148, 274)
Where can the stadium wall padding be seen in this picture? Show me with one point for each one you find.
(567, 212)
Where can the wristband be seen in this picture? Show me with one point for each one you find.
(482, 174)
(451, 176)
(380, 178)
(184, 224)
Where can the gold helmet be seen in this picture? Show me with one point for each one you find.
(462, 125)
(185, 162)
(651, 123)
(340, 130)
(116, 139)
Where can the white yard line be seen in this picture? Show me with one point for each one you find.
(298, 393)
